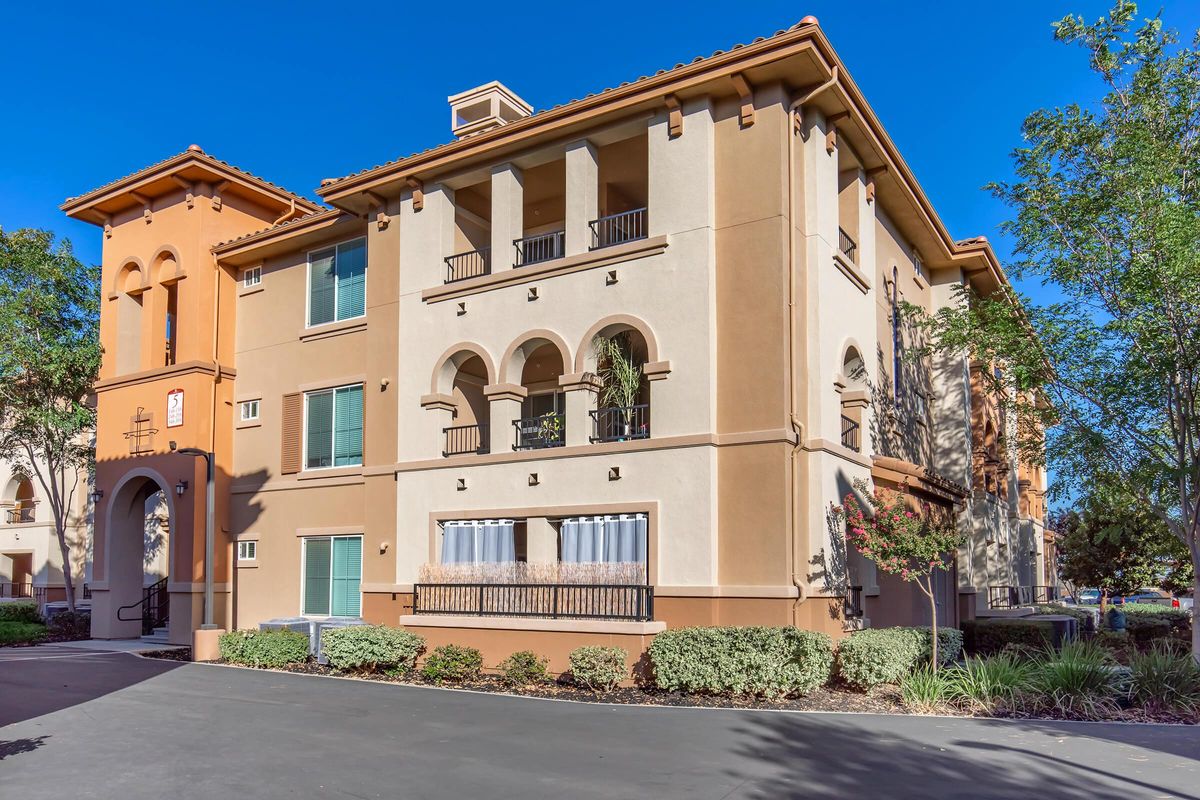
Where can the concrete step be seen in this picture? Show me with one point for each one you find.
(158, 637)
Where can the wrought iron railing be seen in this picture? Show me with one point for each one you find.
(19, 515)
(471, 264)
(539, 248)
(535, 433)
(16, 589)
(154, 608)
(854, 602)
(850, 434)
(463, 439)
(620, 424)
(631, 602)
(618, 228)
(847, 245)
(1000, 597)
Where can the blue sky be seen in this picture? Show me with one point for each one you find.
(98, 91)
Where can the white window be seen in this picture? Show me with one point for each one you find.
(249, 410)
(919, 265)
(252, 277)
(247, 551)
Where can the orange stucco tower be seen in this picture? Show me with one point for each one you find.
(166, 328)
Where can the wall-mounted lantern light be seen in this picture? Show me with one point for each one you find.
(97, 495)
(181, 487)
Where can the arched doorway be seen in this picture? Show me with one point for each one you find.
(138, 555)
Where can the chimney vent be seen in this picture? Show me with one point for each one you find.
(485, 107)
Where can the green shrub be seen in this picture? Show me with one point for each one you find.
(68, 625)
(20, 611)
(21, 632)
(877, 656)
(523, 668)
(1119, 645)
(985, 684)
(732, 660)
(1081, 616)
(990, 635)
(273, 648)
(598, 668)
(924, 690)
(1081, 679)
(1146, 628)
(1165, 678)
(450, 662)
(371, 648)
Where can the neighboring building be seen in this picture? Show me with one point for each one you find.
(31, 559)
(403, 390)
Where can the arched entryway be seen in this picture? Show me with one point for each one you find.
(138, 555)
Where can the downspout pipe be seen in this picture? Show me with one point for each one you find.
(794, 422)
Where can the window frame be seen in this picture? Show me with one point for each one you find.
(252, 272)
(336, 246)
(332, 390)
(304, 573)
(250, 546)
(243, 404)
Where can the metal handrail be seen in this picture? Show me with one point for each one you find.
(16, 516)
(464, 439)
(1001, 597)
(619, 424)
(613, 229)
(15, 589)
(535, 433)
(155, 607)
(540, 247)
(850, 434)
(470, 264)
(847, 245)
(633, 602)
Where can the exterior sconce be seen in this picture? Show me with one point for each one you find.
(181, 487)
(97, 495)
(383, 547)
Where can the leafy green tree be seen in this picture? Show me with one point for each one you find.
(1107, 202)
(49, 360)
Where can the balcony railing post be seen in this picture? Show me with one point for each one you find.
(470, 264)
(614, 229)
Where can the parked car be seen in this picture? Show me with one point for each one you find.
(1087, 597)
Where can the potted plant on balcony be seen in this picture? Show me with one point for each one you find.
(550, 428)
(620, 374)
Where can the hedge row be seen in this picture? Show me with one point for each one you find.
(876, 656)
(20, 611)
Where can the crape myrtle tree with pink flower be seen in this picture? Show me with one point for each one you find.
(901, 541)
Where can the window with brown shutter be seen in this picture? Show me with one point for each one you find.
(292, 432)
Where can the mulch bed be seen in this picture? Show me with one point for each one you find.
(173, 654)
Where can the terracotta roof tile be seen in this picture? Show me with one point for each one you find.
(284, 224)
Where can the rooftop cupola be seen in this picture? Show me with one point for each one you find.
(485, 107)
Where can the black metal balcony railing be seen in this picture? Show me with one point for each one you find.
(847, 245)
(618, 228)
(620, 424)
(471, 264)
(1018, 596)
(850, 434)
(535, 433)
(17, 515)
(463, 439)
(539, 248)
(16, 590)
(854, 602)
(632, 602)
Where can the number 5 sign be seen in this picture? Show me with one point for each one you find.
(174, 408)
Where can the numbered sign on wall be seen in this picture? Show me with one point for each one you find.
(174, 408)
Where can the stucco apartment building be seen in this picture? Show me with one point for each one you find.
(401, 388)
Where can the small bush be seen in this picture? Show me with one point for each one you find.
(20, 611)
(876, 656)
(989, 636)
(925, 690)
(67, 625)
(1165, 678)
(273, 649)
(599, 668)
(523, 668)
(21, 632)
(1080, 679)
(371, 648)
(1086, 619)
(450, 662)
(734, 660)
(1119, 645)
(1146, 628)
(985, 684)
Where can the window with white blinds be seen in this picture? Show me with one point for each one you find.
(333, 427)
(337, 282)
(332, 576)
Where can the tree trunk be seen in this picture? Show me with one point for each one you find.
(68, 578)
(933, 628)
(1195, 618)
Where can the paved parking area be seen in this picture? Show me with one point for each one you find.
(112, 725)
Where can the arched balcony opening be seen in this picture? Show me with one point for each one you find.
(472, 412)
(20, 499)
(543, 421)
(855, 397)
(622, 413)
(130, 288)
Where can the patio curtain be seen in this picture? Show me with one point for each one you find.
(612, 538)
(487, 541)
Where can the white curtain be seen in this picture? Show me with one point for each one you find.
(489, 541)
(612, 538)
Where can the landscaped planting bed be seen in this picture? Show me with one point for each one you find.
(21, 625)
(875, 671)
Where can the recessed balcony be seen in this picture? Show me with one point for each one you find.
(847, 246)
(540, 247)
(621, 424)
(540, 432)
(466, 440)
(470, 264)
(628, 226)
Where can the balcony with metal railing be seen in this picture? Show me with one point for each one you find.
(613, 229)
(851, 431)
(540, 247)
(17, 516)
(620, 424)
(466, 440)
(847, 246)
(470, 264)
(536, 433)
(632, 602)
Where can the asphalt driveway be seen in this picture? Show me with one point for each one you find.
(112, 725)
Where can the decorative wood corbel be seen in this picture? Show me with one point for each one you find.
(190, 189)
(746, 96)
(107, 226)
(380, 203)
(418, 192)
(216, 196)
(831, 127)
(674, 116)
(872, 174)
(147, 209)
